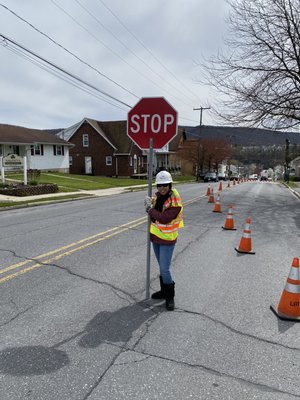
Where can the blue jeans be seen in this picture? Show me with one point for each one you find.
(163, 254)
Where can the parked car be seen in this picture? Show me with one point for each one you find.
(263, 178)
(222, 176)
(202, 174)
(210, 177)
(253, 177)
(234, 177)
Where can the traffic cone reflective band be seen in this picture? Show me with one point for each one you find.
(211, 198)
(220, 187)
(208, 190)
(289, 304)
(229, 223)
(245, 243)
(217, 207)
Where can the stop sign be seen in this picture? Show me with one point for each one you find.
(152, 117)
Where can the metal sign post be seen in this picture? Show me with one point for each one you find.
(150, 173)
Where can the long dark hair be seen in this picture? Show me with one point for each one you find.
(162, 198)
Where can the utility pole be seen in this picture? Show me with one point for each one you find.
(287, 160)
(201, 110)
(200, 127)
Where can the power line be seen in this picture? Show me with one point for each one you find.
(61, 73)
(58, 69)
(113, 52)
(146, 48)
(130, 50)
(69, 52)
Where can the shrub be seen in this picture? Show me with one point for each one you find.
(33, 176)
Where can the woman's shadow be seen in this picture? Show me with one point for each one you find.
(117, 326)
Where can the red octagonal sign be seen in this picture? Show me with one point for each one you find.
(152, 117)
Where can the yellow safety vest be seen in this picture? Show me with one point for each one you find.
(169, 231)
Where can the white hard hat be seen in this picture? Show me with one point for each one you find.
(163, 177)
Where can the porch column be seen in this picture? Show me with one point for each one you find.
(2, 169)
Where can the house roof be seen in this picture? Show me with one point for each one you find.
(18, 135)
(114, 132)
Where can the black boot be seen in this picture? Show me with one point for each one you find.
(170, 294)
(161, 293)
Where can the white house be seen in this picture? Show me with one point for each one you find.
(43, 150)
(295, 166)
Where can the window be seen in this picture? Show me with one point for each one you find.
(85, 140)
(37, 150)
(58, 150)
(108, 160)
(70, 161)
(16, 150)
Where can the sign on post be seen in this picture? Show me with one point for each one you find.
(12, 160)
(152, 117)
(151, 124)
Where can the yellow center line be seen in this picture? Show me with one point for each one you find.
(20, 264)
(51, 260)
(80, 245)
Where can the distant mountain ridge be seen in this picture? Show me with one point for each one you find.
(242, 136)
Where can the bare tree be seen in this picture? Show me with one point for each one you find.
(205, 154)
(259, 71)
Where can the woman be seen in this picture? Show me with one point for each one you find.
(165, 210)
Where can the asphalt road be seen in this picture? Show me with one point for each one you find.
(75, 325)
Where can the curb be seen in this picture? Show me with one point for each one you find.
(295, 192)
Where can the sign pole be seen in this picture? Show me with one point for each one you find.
(25, 170)
(150, 174)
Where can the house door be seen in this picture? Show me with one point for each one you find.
(88, 165)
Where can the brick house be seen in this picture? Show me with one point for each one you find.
(104, 149)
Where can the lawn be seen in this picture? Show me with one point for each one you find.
(67, 182)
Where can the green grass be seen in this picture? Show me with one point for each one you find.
(292, 185)
(72, 183)
(67, 182)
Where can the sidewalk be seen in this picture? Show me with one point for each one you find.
(92, 193)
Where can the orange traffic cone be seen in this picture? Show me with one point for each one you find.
(217, 207)
(208, 190)
(211, 198)
(229, 223)
(228, 184)
(220, 187)
(289, 304)
(234, 183)
(245, 243)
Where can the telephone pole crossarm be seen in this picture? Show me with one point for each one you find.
(201, 111)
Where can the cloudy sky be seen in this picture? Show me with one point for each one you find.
(124, 49)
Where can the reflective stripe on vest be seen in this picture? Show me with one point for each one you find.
(169, 231)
